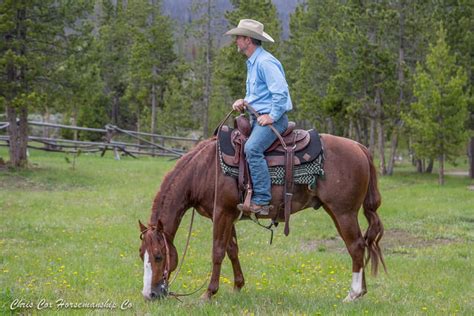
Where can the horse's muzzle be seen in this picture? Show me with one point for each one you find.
(158, 292)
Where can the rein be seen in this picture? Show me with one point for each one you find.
(176, 295)
(255, 113)
(185, 247)
(152, 227)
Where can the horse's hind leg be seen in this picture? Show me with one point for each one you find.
(349, 229)
(233, 253)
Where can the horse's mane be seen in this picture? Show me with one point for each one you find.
(175, 172)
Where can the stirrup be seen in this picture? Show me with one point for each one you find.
(255, 209)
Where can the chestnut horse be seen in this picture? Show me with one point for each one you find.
(350, 181)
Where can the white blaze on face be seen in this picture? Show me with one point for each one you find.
(147, 275)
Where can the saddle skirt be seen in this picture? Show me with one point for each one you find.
(307, 146)
(296, 155)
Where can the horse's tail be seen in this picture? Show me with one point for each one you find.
(375, 230)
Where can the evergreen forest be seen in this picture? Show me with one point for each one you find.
(392, 74)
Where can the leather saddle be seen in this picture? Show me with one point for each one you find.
(293, 147)
(307, 144)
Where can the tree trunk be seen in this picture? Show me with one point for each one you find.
(419, 165)
(441, 170)
(351, 129)
(381, 141)
(357, 131)
(471, 158)
(153, 112)
(115, 108)
(207, 88)
(401, 85)
(429, 167)
(74, 123)
(380, 129)
(154, 72)
(138, 128)
(373, 124)
(17, 131)
(362, 132)
(393, 150)
(46, 129)
(18, 135)
(330, 126)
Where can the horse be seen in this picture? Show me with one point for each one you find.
(197, 182)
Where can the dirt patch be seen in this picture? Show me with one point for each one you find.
(459, 173)
(16, 182)
(393, 241)
(334, 244)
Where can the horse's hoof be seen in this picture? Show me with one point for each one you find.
(206, 296)
(351, 297)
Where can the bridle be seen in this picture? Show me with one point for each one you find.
(167, 268)
(167, 249)
(167, 263)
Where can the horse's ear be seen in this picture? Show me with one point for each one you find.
(142, 227)
(159, 226)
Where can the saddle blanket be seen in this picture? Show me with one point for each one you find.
(303, 172)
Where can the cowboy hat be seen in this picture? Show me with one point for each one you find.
(251, 28)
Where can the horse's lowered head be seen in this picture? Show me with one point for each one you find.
(159, 260)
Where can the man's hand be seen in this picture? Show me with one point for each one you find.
(264, 119)
(239, 105)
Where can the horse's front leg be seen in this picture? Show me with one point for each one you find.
(222, 232)
(233, 253)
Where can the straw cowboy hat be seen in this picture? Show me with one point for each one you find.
(251, 28)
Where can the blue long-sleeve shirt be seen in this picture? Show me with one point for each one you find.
(267, 89)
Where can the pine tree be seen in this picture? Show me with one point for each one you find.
(152, 60)
(176, 117)
(437, 119)
(114, 47)
(80, 97)
(340, 65)
(31, 49)
(204, 34)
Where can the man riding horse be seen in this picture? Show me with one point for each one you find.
(267, 92)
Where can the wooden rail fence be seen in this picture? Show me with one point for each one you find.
(136, 142)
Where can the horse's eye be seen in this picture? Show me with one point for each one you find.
(158, 258)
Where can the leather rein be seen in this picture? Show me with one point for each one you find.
(153, 227)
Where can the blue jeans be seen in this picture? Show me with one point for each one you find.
(261, 138)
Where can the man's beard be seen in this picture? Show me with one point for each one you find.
(241, 50)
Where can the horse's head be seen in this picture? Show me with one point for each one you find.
(159, 260)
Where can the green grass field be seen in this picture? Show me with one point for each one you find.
(72, 235)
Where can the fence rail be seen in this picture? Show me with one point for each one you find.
(138, 145)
